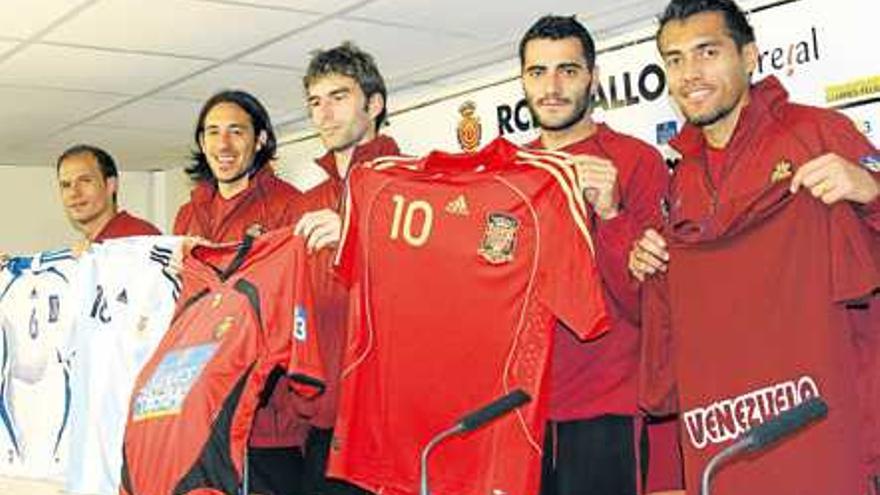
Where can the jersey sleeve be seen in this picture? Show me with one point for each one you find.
(5, 354)
(855, 256)
(570, 284)
(665, 469)
(658, 393)
(640, 197)
(304, 367)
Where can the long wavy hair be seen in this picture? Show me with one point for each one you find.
(198, 170)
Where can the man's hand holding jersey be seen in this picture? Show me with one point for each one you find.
(597, 180)
(831, 178)
(648, 255)
(175, 264)
(320, 228)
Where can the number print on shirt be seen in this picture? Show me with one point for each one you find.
(405, 213)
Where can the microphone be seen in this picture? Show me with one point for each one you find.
(486, 414)
(759, 437)
(495, 409)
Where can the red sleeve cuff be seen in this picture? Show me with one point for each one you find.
(306, 385)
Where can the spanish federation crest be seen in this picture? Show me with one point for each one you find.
(254, 230)
(470, 130)
(499, 239)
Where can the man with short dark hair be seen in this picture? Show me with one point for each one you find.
(346, 99)
(594, 438)
(763, 288)
(88, 182)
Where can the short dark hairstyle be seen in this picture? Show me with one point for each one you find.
(349, 60)
(199, 169)
(106, 164)
(734, 18)
(556, 27)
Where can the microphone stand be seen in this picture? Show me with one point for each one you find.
(719, 459)
(759, 437)
(423, 477)
(471, 422)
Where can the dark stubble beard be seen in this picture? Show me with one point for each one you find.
(717, 115)
(349, 143)
(237, 177)
(582, 107)
(713, 117)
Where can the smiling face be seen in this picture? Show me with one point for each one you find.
(556, 80)
(229, 143)
(708, 75)
(86, 194)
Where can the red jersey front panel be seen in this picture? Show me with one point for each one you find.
(249, 312)
(771, 338)
(461, 265)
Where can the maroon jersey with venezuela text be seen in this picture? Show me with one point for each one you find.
(193, 403)
(460, 266)
(770, 299)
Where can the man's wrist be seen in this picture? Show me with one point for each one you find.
(871, 189)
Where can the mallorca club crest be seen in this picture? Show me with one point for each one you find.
(499, 239)
(223, 328)
(254, 230)
(469, 130)
(781, 171)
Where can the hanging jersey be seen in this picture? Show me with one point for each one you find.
(128, 297)
(460, 266)
(36, 309)
(244, 314)
(787, 325)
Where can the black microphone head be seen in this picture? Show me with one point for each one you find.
(494, 410)
(787, 423)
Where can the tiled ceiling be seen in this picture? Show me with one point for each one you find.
(130, 75)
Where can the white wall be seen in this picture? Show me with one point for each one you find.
(172, 188)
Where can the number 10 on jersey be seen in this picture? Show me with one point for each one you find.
(402, 223)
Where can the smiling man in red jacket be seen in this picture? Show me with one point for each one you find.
(237, 193)
(88, 180)
(766, 278)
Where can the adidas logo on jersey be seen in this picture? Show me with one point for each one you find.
(458, 206)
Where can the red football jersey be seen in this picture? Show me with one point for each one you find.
(460, 266)
(778, 333)
(194, 402)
